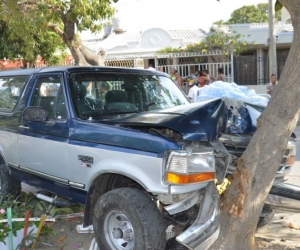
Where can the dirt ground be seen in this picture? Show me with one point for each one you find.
(67, 238)
(276, 245)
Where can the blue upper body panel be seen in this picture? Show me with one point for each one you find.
(195, 122)
(123, 138)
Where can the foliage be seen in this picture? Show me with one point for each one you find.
(16, 49)
(39, 24)
(30, 19)
(251, 14)
(44, 208)
(219, 38)
(19, 207)
(278, 6)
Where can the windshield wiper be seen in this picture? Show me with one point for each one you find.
(107, 113)
(120, 113)
(151, 104)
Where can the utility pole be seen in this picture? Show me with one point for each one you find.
(272, 39)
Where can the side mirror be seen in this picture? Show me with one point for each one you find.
(35, 114)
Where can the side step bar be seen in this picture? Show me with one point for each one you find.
(284, 196)
(55, 202)
(286, 190)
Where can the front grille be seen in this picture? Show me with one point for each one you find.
(286, 156)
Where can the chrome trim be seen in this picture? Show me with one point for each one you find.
(23, 127)
(75, 184)
(48, 176)
(64, 181)
(205, 229)
(184, 204)
(51, 177)
(44, 197)
(10, 164)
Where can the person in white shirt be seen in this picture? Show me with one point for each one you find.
(151, 67)
(194, 91)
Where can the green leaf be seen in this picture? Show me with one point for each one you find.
(40, 206)
(278, 6)
(63, 210)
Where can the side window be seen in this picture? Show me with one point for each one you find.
(10, 89)
(49, 95)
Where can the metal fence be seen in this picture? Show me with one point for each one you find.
(189, 69)
(252, 70)
(243, 70)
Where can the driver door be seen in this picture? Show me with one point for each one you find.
(43, 146)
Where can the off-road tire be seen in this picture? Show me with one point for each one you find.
(8, 185)
(268, 214)
(144, 218)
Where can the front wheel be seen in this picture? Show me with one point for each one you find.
(127, 219)
(266, 216)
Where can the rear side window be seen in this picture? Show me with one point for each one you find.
(10, 90)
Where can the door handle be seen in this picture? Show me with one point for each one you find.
(23, 127)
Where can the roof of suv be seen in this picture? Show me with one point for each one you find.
(76, 68)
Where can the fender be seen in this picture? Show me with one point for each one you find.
(142, 172)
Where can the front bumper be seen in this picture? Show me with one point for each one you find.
(205, 229)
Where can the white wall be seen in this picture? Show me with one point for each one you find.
(259, 89)
(259, 33)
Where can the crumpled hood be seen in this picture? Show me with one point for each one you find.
(195, 122)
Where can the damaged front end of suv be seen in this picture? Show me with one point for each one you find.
(212, 136)
(191, 206)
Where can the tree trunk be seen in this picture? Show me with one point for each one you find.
(242, 203)
(80, 53)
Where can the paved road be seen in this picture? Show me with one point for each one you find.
(278, 229)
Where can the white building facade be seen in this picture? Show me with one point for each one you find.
(139, 50)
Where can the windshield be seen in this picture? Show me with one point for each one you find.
(95, 94)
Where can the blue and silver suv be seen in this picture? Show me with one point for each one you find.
(122, 142)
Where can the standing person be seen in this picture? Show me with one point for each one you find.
(151, 67)
(272, 84)
(160, 69)
(203, 80)
(194, 91)
(210, 77)
(172, 74)
(178, 78)
(221, 76)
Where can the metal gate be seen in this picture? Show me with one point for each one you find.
(187, 63)
(253, 70)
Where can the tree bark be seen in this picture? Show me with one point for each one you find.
(242, 203)
(80, 53)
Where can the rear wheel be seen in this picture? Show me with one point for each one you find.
(8, 185)
(127, 219)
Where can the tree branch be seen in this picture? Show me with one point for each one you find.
(27, 2)
(57, 30)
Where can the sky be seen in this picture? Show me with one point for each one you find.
(139, 15)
